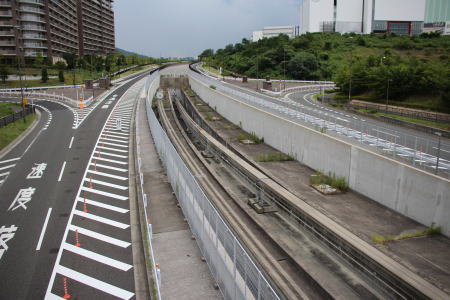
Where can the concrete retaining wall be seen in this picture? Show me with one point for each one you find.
(409, 191)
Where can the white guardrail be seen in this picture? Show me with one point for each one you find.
(231, 266)
(48, 96)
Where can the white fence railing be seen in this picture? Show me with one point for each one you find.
(233, 269)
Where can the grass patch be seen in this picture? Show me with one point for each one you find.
(381, 239)
(317, 96)
(11, 131)
(209, 117)
(5, 109)
(277, 156)
(232, 126)
(210, 69)
(252, 137)
(212, 87)
(338, 182)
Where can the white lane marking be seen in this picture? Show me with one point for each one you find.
(106, 167)
(97, 257)
(99, 236)
(9, 160)
(110, 154)
(105, 106)
(103, 205)
(62, 171)
(95, 283)
(115, 136)
(112, 149)
(107, 175)
(1, 181)
(111, 160)
(7, 167)
(114, 140)
(111, 195)
(4, 174)
(115, 132)
(101, 219)
(52, 296)
(71, 141)
(115, 145)
(119, 187)
(44, 228)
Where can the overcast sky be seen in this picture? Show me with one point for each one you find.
(187, 27)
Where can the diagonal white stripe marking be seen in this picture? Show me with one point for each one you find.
(115, 145)
(116, 136)
(112, 149)
(119, 187)
(53, 297)
(95, 283)
(97, 257)
(114, 140)
(7, 167)
(108, 167)
(4, 174)
(111, 160)
(101, 219)
(9, 160)
(116, 132)
(103, 205)
(111, 195)
(107, 175)
(99, 236)
(110, 154)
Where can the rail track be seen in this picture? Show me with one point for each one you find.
(394, 279)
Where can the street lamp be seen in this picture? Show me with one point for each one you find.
(439, 151)
(19, 60)
(351, 67)
(284, 67)
(387, 94)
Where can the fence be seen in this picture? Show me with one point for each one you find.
(47, 96)
(232, 268)
(431, 155)
(412, 113)
(17, 116)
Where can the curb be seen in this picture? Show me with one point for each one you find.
(21, 137)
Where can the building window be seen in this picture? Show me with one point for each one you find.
(399, 27)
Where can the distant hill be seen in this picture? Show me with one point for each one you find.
(130, 53)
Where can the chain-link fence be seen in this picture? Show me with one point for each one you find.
(430, 155)
(233, 269)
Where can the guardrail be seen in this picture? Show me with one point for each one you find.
(17, 116)
(48, 96)
(233, 269)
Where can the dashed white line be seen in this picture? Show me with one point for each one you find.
(71, 141)
(44, 228)
(62, 171)
(95, 283)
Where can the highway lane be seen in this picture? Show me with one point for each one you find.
(401, 146)
(32, 226)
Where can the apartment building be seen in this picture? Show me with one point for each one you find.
(51, 28)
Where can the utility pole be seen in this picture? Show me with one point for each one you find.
(284, 65)
(439, 152)
(387, 95)
(351, 71)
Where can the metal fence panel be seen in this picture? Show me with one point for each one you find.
(231, 266)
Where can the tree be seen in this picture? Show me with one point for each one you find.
(4, 72)
(61, 76)
(207, 53)
(303, 66)
(71, 59)
(44, 75)
(39, 60)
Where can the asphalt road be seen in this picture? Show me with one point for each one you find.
(35, 211)
(403, 144)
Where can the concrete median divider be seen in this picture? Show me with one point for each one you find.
(405, 189)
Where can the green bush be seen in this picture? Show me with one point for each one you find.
(277, 156)
(252, 137)
(338, 182)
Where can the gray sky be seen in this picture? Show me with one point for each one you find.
(187, 27)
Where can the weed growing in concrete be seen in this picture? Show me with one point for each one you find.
(252, 137)
(230, 127)
(277, 156)
(338, 182)
(209, 117)
(380, 239)
(212, 87)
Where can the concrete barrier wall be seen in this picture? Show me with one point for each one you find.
(409, 191)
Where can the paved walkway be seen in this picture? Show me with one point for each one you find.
(183, 274)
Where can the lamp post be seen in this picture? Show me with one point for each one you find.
(257, 73)
(438, 151)
(351, 68)
(19, 65)
(284, 67)
(387, 94)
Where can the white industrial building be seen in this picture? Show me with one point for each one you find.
(273, 31)
(363, 16)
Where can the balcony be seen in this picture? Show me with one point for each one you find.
(32, 9)
(6, 24)
(6, 13)
(32, 36)
(7, 44)
(33, 27)
(34, 45)
(7, 33)
(35, 53)
(7, 52)
(5, 3)
(39, 2)
(32, 19)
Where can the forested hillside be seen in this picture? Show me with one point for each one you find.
(416, 68)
